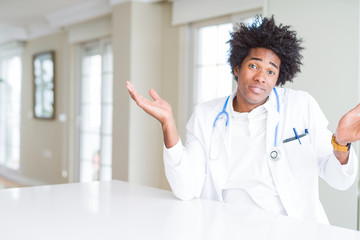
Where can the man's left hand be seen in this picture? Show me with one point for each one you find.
(348, 129)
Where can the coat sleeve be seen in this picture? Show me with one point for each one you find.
(336, 175)
(185, 167)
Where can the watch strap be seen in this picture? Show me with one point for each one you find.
(338, 147)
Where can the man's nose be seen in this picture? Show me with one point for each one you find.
(260, 76)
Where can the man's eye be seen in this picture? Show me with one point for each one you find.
(271, 72)
(253, 66)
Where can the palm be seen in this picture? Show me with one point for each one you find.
(348, 129)
(158, 108)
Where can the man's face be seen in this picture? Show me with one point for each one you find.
(257, 76)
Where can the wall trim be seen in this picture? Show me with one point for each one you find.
(181, 13)
(12, 33)
(53, 22)
(90, 30)
(11, 48)
(116, 2)
(79, 13)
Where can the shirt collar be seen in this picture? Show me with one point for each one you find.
(272, 104)
(269, 105)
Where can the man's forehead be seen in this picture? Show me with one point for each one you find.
(264, 54)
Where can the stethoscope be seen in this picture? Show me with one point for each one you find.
(219, 134)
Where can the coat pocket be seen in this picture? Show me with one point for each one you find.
(300, 156)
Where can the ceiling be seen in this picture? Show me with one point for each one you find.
(27, 19)
(24, 13)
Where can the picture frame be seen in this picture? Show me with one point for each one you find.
(44, 85)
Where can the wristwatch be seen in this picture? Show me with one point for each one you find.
(338, 147)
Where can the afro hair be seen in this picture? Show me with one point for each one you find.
(263, 33)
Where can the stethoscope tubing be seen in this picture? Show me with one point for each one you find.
(223, 112)
(275, 153)
(278, 110)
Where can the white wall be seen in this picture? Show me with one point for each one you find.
(121, 19)
(145, 137)
(145, 53)
(330, 30)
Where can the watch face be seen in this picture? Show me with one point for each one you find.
(348, 146)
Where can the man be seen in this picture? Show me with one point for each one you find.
(263, 146)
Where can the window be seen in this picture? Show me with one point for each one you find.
(213, 76)
(212, 73)
(95, 111)
(10, 105)
(44, 82)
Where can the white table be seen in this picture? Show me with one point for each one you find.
(119, 210)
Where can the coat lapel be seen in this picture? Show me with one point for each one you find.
(219, 168)
(273, 120)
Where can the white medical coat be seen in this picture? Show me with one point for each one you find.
(191, 174)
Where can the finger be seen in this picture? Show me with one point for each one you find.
(142, 102)
(357, 110)
(154, 95)
(130, 87)
(131, 90)
(139, 99)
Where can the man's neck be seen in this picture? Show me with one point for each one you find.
(241, 106)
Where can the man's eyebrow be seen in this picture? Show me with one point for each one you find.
(259, 59)
(274, 65)
(255, 58)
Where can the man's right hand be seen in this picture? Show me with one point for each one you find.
(159, 109)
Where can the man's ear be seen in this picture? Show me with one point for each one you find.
(236, 71)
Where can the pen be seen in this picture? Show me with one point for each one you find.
(296, 135)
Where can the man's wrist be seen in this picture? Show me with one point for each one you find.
(171, 136)
(339, 145)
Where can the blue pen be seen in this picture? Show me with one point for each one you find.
(296, 135)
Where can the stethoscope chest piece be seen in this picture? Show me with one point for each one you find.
(275, 154)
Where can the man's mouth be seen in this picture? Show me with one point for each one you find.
(256, 89)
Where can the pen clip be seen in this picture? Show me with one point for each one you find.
(296, 135)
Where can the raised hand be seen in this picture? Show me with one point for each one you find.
(159, 109)
(348, 129)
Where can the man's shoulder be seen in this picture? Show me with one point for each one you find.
(214, 104)
(205, 113)
(291, 95)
